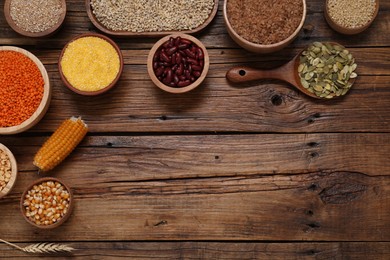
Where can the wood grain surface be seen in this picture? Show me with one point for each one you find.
(227, 171)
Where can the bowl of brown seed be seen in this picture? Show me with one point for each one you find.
(350, 16)
(8, 170)
(37, 18)
(47, 203)
(178, 63)
(263, 26)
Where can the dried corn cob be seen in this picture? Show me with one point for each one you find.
(60, 144)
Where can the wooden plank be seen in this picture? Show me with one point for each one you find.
(215, 250)
(249, 187)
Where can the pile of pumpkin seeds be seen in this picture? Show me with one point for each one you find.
(325, 69)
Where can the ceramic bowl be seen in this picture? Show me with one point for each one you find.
(46, 33)
(45, 102)
(348, 31)
(105, 89)
(14, 171)
(63, 218)
(177, 90)
(261, 48)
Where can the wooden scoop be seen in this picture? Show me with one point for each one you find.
(288, 73)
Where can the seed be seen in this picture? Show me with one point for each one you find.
(327, 71)
(5, 170)
(151, 16)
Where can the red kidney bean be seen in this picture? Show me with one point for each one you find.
(155, 65)
(159, 71)
(189, 53)
(187, 74)
(173, 59)
(177, 41)
(178, 58)
(174, 68)
(196, 67)
(171, 42)
(200, 54)
(172, 50)
(196, 73)
(192, 61)
(176, 79)
(184, 83)
(172, 84)
(166, 44)
(156, 55)
(183, 46)
(201, 63)
(168, 75)
(192, 79)
(185, 41)
(164, 57)
(180, 70)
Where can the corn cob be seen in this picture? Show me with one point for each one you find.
(60, 144)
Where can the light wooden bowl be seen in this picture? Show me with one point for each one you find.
(102, 28)
(21, 31)
(348, 31)
(178, 90)
(63, 219)
(261, 48)
(45, 102)
(14, 171)
(101, 91)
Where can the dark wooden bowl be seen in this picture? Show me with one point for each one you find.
(101, 91)
(45, 102)
(14, 171)
(63, 219)
(261, 48)
(102, 28)
(348, 31)
(178, 90)
(45, 33)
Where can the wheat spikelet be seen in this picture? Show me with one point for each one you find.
(40, 248)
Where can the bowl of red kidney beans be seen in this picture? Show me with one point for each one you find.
(178, 63)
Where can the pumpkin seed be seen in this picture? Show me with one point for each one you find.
(326, 68)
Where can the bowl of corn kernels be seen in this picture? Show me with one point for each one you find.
(90, 64)
(47, 203)
(8, 170)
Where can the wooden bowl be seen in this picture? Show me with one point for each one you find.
(63, 219)
(23, 32)
(14, 171)
(178, 90)
(348, 31)
(45, 102)
(101, 91)
(261, 48)
(104, 29)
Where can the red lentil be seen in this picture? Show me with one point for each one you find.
(21, 88)
(265, 21)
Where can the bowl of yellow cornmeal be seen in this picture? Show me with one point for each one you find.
(90, 64)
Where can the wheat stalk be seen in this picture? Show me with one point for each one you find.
(42, 248)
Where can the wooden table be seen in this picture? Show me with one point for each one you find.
(251, 171)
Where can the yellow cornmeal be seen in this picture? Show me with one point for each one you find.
(90, 63)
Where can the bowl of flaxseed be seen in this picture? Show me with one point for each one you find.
(350, 16)
(264, 26)
(8, 170)
(35, 18)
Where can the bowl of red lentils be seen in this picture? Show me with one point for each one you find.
(263, 26)
(350, 16)
(38, 18)
(8, 170)
(178, 63)
(25, 91)
(90, 64)
(47, 203)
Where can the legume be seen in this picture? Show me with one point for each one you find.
(90, 63)
(151, 16)
(264, 21)
(46, 203)
(5, 169)
(178, 62)
(35, 15)
(21, 88)
(351, 13)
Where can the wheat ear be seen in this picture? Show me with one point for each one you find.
(42, 248)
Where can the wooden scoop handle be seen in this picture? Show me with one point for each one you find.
(247, 74)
